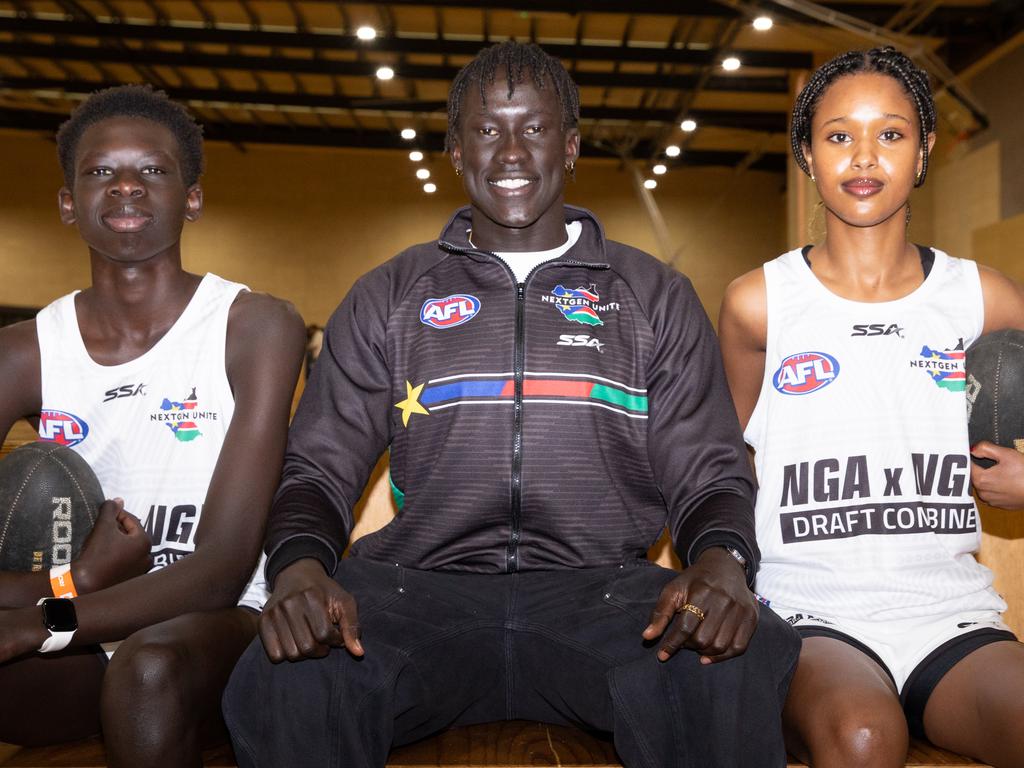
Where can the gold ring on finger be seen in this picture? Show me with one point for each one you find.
(698, 612)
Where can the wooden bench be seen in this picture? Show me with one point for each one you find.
(514, 744)
(507, 744)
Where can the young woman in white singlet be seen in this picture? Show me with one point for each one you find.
(846, 363)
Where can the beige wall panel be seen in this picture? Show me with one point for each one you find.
(965, 195)
(39, 257)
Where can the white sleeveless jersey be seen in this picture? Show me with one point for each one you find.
(151, 428)
(860, 431)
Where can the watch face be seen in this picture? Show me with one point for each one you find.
(59, 615)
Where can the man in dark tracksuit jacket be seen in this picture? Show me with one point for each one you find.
(543, 431)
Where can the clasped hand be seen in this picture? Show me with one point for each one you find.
(308, 614)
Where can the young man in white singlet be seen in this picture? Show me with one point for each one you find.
(846, 364)
(178, 390)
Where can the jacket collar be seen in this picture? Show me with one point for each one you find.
(589, 249)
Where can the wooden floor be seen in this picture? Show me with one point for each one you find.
(514, 744)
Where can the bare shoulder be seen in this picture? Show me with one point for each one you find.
(19, 347)
(745, 307)
(264, 318)
(1004, 300)
(20, 388)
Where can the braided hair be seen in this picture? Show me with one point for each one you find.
(133, 101)
(881, 61)
(515, 59)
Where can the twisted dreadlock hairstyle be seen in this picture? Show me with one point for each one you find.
(515, 59)
(882, 61)
(133, 101)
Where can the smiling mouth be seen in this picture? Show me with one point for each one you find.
(863, 187)
(513, 184)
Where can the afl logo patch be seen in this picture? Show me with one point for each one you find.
(805, 372)
(450, 311)
(62, 428)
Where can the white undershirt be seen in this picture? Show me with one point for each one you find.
(521, 262)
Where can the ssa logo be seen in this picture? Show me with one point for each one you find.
(62, 428)
(580, 340)
(805, 372)
(877, 329)
(450, 311)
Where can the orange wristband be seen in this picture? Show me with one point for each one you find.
(61, 582)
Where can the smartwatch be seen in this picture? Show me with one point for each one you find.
(60, 619)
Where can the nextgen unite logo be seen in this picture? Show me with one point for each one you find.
(805, 372)
(945, 367)
(579, 305)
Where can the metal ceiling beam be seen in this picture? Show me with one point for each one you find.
(198, 35)
(352, 139)
(877, 13)
(573, 7)
(324, 66)
(935, 66)
(772, 122)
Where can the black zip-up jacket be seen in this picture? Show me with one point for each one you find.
(562, 422)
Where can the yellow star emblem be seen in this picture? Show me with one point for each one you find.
(411, 404)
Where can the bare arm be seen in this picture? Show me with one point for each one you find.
(1004, 300)
(117, 548)
(743, 334)
(19, 398)
(1002, 484)
(265, 344)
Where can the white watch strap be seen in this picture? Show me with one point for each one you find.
(57, 641)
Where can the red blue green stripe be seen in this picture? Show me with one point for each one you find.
(498, 389)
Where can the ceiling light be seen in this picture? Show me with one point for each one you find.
(415, 155)
(422, 174)
(659, 169)
(650, 183)
(430, 188)
(688, 125)
(386, 73)
(731, 64)
(763, 23)
(672, 150)
(366, 33)
(408, 134)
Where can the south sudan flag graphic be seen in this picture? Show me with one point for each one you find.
(950, 373)
(184, 430)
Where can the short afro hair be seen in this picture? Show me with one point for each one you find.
(133, 101)
(881, 61)
(514, 58)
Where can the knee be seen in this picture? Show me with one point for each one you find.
(147, 672)
(862, 737)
